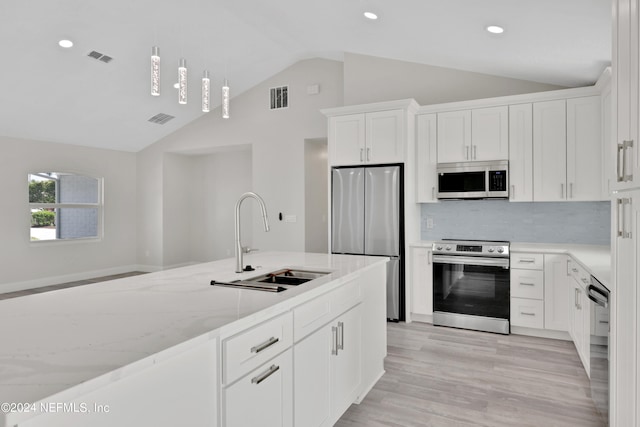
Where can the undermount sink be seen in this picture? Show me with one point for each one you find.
(276, 281)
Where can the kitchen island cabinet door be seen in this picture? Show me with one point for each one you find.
(263, 397)
(346, 374)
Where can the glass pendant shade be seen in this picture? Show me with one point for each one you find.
(225, 100)
(155, 71)
(206, 92)
(182, 81)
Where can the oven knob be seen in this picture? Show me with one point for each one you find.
(491, 250)
(500, 250)
(448, 248)
(439, 248)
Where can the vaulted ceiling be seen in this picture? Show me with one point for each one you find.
(63, 95)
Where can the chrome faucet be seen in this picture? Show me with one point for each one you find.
(239, 248)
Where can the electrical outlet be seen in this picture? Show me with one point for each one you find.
(429, 222)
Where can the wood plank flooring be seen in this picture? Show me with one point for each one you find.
(442, 377)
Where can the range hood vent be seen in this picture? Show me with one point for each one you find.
(100, 56)
(161, 118)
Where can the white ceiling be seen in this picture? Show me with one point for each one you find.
(59, 95)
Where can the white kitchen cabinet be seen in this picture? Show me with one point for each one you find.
(626, 303)
(625, 88)
(527, 290)
(579, 311)
(327, 370)
(490, 133)
(367, 138)
(469, 135)
(584, 149)
(528, 313)
(347, 139)
(549, 151)
(426, 158)
(556, 316)
(421, 281)
(521, 152)
(264, 397)
(454, 136)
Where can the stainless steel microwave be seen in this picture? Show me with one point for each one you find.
(473, 180)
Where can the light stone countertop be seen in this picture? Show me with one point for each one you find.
(596, 259)
(62, 344)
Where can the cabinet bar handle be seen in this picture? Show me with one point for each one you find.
(513, 191)
(575, 297)
(626, 145)
(429, 259)
(272, 370)
(368, 154)
(362, 154)
(620, 231)
(625, 234)
(562, 191)
(575, 270)
(527, 260)
(620, 164)
(584, 280)
(524, 313)
(603, 321)
(268, 343)
(433, 193)
(571, 190)
(527, 284)
(340, 335)
(334, 341)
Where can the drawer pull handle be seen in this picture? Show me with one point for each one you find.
(584, 280)
(527, 260)
(524, 313)
(575, 270)
(340, 335)
(272, 370)
(334, 341)
(604, 321)
(527, 284)
(268, 343)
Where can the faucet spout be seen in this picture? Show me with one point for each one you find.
(265, 219)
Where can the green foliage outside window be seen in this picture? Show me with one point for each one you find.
(42, 191)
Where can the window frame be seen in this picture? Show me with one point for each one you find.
(99, 205)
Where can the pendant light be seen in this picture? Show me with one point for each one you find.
(206, 92)
(155, 71)
(225, 100)
(182, 81)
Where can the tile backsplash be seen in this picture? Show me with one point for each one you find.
(542, 222)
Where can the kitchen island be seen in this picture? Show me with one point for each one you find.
(169, 349)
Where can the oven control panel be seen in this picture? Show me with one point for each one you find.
(472, 248)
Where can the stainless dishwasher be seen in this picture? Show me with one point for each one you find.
(599, 347)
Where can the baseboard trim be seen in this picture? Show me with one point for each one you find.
(366, 391)
(541, 333)
(423, 318)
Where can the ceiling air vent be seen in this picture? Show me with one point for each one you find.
(279, 97)
(161, 118)
(100, 56)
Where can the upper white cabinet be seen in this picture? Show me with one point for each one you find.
(521, 152)
(625, 87)
(454, 136)
(426, 158)
(584, 149)
(490, 133)
(370, 134)
(347, 139)
(549, 150)
(469, 135)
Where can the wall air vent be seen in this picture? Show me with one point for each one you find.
(161, 118)
(279, 97)
(100, 56)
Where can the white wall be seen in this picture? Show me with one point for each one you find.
(277, 142)
(24, 264)
(316, 190)
(177, 180)
(372, 79)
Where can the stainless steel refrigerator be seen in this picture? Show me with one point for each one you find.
(367, 219)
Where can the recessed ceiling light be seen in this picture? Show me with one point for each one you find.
(176, 85)
(495, 29)
(370, 15)
(65, 43)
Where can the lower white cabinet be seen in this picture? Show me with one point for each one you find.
(421, 281)
(579, 312)
(528, 313)
(556, 316)
(327, 371)
(263, 397)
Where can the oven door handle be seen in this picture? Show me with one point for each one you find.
(465, 260)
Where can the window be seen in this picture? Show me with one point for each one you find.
(64, 206)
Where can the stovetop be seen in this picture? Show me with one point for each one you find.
(484, 248)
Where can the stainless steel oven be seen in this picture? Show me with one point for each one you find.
(471, 285)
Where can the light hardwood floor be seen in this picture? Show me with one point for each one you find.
(439, 376)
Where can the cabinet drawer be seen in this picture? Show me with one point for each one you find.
(310, 316)
(527, 261)
(527, 284)
(249, 349)
(579, 274)
(527, 312)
